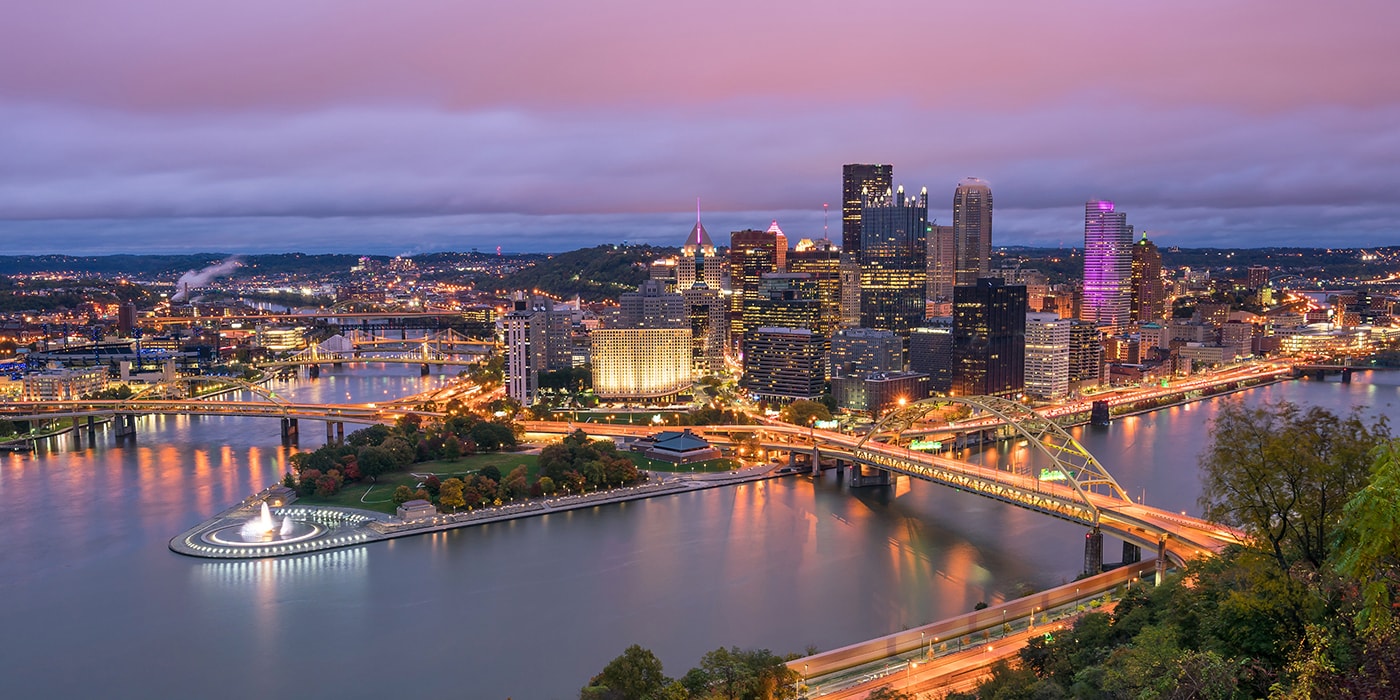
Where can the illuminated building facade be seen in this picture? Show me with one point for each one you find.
(931, 353)
(857, 180)
(1047, 356)
(1108, 266)
(752, 254)
(942, 265)
(989, 338)
(860, 351)
(698, 261)
(1149, 299)
(1086, 353)
(972, 230)
(63, 383)
(822, 260)
(641, 363)
(893, 261)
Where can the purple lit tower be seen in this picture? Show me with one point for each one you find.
(1108, 266)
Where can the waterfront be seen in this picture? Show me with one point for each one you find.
(528, 608)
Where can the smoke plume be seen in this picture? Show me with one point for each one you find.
(199, 278)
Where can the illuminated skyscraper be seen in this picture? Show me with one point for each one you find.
(1047, 355)
(972, 230)
(1149, 294)
(822, 260)
(751, 255)
(1108, 266)
(893, 261)
(856, 180)
(698, 259)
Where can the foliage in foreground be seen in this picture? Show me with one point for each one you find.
(1304, 610)
(723, 674)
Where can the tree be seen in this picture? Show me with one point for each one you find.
(490, 437)
(364, 437)
(1284, 475)
(450, 496)
(402, 495)
(1370, 542)
(376, 460)
(804, 412)
(634, 675)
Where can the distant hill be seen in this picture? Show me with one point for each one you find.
(596, 273)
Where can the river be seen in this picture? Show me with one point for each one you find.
(93, 603)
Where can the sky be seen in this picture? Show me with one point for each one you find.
(423, 125)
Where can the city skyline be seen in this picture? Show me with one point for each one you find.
(152, 126)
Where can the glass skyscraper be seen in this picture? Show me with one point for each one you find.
(972, 230)
(1108, 266)
(893, 261)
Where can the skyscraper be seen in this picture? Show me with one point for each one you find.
(752, 254)
(942, 263)
(972, 230)
(651, 306)
(1047, 356)
(537, 340)
(989, 338)
(857, 180)
(893, 261)
(1108, 266)
(698, 262)
(1149, 294)
(822, 260)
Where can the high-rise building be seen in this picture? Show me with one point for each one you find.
(857, 181)
(784, 300)
(822, 260)
(942, 263)
(878, 392)
(698, 261)
(1108, 266)
(651, 306)
(708, 315)
(860, 351)
(783, 363)
(989, 338)
(972, 230)
(538, 340)
(1047, 356)
(1149, 299)
(893, 261)
(752, 253)
(1085, 355)
(641, 363)
(931, 353)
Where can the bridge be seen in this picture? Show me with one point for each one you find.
(426, 355)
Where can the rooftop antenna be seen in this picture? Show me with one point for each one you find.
(697, 210)
(826, 235)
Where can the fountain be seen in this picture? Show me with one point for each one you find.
(264, 529)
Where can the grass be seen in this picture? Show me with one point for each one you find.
(656, 465)
(379, 496)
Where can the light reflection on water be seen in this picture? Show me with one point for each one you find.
(778, 564)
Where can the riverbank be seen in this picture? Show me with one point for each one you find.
(345, 527)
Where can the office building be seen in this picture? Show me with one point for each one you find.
(861, 351)
(784, 300)
(1086, 366)
(651, 306)
(972, 230)
(942, 263)
(1149, 299)
(822, 260)
(1257, 277)
(1108, 267)
(699, 262)
(931, 353)
(857, 181)
(539, 338)
(1047, 356)
(752, 254)
(783, 363)
(58, 383)
(708, 317)
(893, 261)
(641, 363)
(989, 339)
(879, 392)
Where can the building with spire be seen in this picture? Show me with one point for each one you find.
(698, 259)
(857, 181)
(972, 230)
(752, 254)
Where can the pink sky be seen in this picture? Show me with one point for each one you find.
(1238, 123)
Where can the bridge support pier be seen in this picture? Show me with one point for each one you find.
(1093, 552)
(330, 433)
(424, 369)
(313, 371)
(337, 365)
(816, 461)
(91, 429)
(859, 479)
(1132, 553)
(289, 429)
(340, 432)
(1346, 375)
(124, 426)
(1161, 572)
(1098, 413)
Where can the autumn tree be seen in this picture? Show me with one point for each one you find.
(804, 412)
(450, 494)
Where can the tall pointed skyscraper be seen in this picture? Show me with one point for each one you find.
(698, 262)
(857, 180)
(972, 230)
(1108, 266)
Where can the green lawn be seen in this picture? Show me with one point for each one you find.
(656, 465)
(379, 496)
